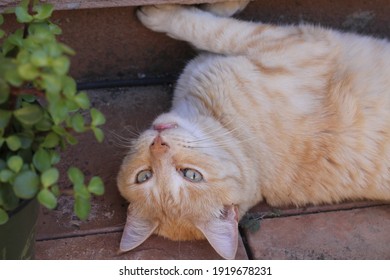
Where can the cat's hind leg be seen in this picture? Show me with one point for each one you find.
(225, 9)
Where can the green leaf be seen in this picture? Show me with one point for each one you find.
(97, 117)
(29, 98)
(55, 157)
(2, 33)
(67, 50)
(82, 207)
(78, 123)
(99, 134)
(40, 32)
(44, 124)
(23, 57)
(39, 58)
(2, 164)
(12, 76)
(16, 38)
(26, 184)
(26, 139)
(70, 87)
(6, 175)
(55, 189)
(4, 91)
(22, 15)
(3, 216)
(44, 11)
(13, 142)
(61, 65)
(42, 160)
(28, 71)
(5, 116)
(52, 83)
(55, 29)
(1, 19)
(71, 139)
(76, 176)
(50, 177)
(96, 186)
(82, 191)
(47, 199)
(15, 163)
(59, 111)
(29, 115)
(82, 100)
(51, 140)
(59, 130)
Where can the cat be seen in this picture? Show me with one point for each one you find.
(289, 115)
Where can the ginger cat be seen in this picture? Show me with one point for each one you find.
(282, 114)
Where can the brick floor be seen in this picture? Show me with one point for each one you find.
(353, 230)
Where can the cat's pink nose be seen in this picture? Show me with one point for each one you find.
(158, 146)
(163, 126)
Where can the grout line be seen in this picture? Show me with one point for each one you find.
(244, 239)
(82, 233)
(271, 215)
(152, 81)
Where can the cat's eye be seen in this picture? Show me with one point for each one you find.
(191, 174)
(143, 176)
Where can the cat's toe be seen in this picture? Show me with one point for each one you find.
(156, 17)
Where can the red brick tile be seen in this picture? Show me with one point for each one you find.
(351, 234)
(105, 246)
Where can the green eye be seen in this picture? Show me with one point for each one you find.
(144, 176)
(192, 175)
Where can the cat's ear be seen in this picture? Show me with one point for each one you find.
(222, 232)
(136, 231)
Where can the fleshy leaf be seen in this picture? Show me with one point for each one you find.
(29, 115)
(82, 207)
(82, 100)
(50, 177)
(15, 163)
(99, 135)
(13, 142)
(42, 160)
(3, 216)
(47, 199)
(26, 184)
(44, 11)
(22, 15)
(51, 140)
(97, 117)
(76, 176)
(78, 122)
(5, 116)
(96, 186)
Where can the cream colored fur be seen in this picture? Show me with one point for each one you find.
(292, 115)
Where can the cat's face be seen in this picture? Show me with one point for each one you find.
(177, 187)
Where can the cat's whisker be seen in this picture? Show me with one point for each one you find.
(121, 141)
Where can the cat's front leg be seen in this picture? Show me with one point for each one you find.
(159, 18)
(203, 30)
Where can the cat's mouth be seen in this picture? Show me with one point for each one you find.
(164, 126)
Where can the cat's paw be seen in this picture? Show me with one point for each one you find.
(225, 9)
(157, 17)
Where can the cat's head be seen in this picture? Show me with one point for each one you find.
(177, 179)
